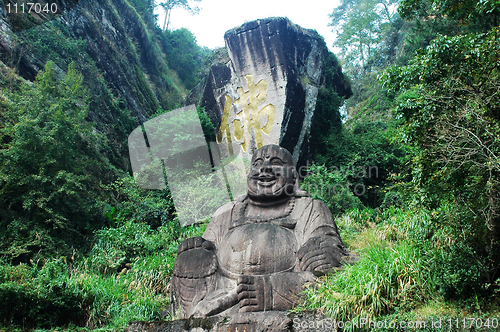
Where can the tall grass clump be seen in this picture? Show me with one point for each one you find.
(394, 271)
(384, 278)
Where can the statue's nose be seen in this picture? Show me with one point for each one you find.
(266, 168)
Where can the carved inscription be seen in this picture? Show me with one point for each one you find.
(249, 116)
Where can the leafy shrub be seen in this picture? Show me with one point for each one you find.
(39, 297)
(332, 187)
(129, 202)
(116, 247)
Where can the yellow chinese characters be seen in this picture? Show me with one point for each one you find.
(249, 116)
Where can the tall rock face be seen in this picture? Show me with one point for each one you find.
(277, 88)
(116, 45)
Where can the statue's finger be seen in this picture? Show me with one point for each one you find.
(324, 267)
(247, 295)
(245, 280)
(197, 241)
(314, 266)
(312, 254)
(244, 287)
(249, 302)
(183, 247)
(208, 245)
(302, 251)
(306, 265)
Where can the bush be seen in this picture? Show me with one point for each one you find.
(39, 297)
(332, 187)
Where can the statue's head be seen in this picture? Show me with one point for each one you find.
(272, 174)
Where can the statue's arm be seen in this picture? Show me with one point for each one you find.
(322, 248)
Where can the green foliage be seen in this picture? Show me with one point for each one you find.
(129, 202)
(475, 15)
(361, 26)
(381, 280)
(183, 55)
(369, 154)
(39, 297)
(392, 271)
(49, 162)
(327, 116)
(332, 187)
(449, 104)
(53, 41)
(116, 247)
(124, 278)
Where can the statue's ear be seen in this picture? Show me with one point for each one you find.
(297, 191)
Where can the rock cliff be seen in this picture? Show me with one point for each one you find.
(281, 85)
(116, 45)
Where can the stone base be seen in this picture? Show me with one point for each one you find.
(271, 321)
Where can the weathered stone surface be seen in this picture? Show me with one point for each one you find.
(291, 63)
(259, 251)
(116, 48)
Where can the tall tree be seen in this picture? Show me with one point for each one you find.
(171, 4)
(360, 25)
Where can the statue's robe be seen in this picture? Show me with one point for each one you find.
(205, 281)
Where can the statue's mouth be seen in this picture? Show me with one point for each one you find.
(266, 181)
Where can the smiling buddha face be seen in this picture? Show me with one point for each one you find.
(272, 174)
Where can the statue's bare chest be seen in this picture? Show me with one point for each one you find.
(255, 246)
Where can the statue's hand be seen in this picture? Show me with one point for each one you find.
(254, 293)
(195, 242)
(320, 254)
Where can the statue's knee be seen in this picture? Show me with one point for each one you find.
(196, 262)
(195, 259)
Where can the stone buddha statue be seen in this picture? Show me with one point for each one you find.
(259, 250)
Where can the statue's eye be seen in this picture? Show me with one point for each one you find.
(258, 162)
(277, 162)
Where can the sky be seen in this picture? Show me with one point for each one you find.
(218, 16)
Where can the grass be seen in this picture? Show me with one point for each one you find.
(93, 292)
(397, 277)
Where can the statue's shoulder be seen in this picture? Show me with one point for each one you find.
(304, 204)
(306, 201)
(228, 207)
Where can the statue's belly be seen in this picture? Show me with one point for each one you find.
(260, 248)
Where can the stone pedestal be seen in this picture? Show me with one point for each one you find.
(271, 321)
